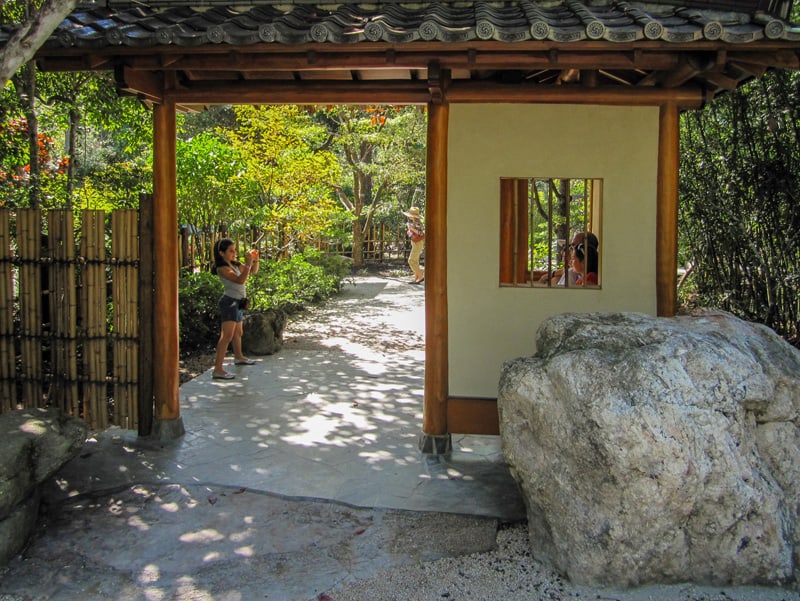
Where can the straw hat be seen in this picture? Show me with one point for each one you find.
(413, 213)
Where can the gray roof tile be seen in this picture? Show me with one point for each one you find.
(348, 23)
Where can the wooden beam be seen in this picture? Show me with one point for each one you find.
(722, 81)
(749, 69)
(146, 331)
(165, 219)
(472, 416)
(784, 59)
(434, 411)
(308, 92)
(679, 76)
(147, 86)
(471, 92)
(417, 92)
(408, 59)
(99, 63)
(667, 211)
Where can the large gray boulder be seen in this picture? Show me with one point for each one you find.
(657, 450)
(34, 444)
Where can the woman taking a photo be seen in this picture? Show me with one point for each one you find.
(232, 303)
(584, 263)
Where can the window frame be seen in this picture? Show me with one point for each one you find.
(528, 203)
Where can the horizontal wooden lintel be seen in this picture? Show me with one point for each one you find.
(314, 60)
(323, 57)
(417, 92)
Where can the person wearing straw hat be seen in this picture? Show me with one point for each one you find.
(416, 232)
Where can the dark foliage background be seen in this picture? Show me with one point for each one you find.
(739, 215)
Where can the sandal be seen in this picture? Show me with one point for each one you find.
(244, 362)
(225, 376)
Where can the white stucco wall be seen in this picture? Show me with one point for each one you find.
(489, 324)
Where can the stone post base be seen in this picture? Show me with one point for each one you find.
(168, 430)
(432, 444)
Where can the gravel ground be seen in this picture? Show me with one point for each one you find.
(510, 573)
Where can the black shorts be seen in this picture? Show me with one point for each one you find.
(229, 309)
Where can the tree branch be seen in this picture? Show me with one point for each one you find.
(32, 34)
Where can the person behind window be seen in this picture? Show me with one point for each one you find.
(584, 264)
(559, 277)
(416, 233)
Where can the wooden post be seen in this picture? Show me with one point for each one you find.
(667, 211)
(434, 419)
(146, 335)
(165, 230)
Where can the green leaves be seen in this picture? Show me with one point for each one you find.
(739, 213)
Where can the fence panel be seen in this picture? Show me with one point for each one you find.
(125, 293)
(63, 305)
(93, 318)
(29, 230)
(61, 317)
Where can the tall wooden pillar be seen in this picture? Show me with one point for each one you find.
(165, 310)
(667, 211)
(435, 438)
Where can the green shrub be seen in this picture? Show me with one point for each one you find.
(288, 284)
(198, 311)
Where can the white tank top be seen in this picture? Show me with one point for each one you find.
(233, 289)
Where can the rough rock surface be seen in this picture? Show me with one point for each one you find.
(653, 450)
(34, 444)
(263, 332)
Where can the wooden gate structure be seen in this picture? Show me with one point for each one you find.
(671, 55)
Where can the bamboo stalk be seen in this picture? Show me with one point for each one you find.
(63, 311)
(125, 290)
(29, 225)
(95, 319)
(118, 360)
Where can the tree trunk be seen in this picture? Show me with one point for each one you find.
(360, 186)
(358, 242)
(72, 133)
(34, 181)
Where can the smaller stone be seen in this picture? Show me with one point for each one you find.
(34, 444)
(263, 332)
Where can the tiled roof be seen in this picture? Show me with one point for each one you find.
(564, 21)
(210, 51)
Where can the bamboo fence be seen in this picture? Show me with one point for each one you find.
(63, 301)
(69, 314)
(125, 293)
(382, 244)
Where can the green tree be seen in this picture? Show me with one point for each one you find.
(106, 139)
(93, 147)
(285, 155)
(212, 186)
(383, 153)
